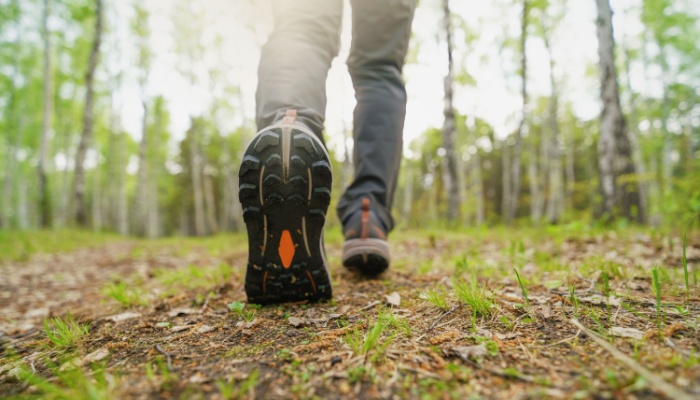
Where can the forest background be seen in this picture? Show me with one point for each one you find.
(131, 117)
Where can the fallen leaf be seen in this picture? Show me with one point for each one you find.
(182, 311)
(626, 332)
(465, 352)
(123, 316)
(97, 355)
(179, 328)
(296, 322)
(198, 377)
(597, 299)
(205, 329)
(393, 299)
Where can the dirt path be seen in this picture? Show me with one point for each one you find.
(409, 334)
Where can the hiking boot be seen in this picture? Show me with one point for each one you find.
(285, 188)
(366, 248)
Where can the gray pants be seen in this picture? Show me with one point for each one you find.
(293, 68)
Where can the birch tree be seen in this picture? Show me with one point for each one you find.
(452, 182)
(79, 207)
(45, 218)
(620, 197)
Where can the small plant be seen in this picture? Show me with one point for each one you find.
(373, 336)
(237, 390)
(606, 293)
(657, 291)
(356, 374)
(400, 324)
(239, 308)
(436, 298)
(127, 297)
(72, 383)
(507, 322)
(522, 287)
(685, 260)
(354, 340)
(65, 331)
(474, 296)
(461, 265)
(573, 299)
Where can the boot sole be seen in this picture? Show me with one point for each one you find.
(285, 189)
(369, 256)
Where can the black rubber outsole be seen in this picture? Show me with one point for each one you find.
(369, 266)
(285, 189)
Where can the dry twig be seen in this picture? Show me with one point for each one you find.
(446, 313)
(166, 354)
(657, 383)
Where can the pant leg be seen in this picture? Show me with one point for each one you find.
(294, 62)
(380, 30)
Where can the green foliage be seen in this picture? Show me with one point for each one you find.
(474, 296)
(20, 245)
(239, 308)
(193, 277)
(656, 286)
(127, 296)
(522, 287)
(436, 297)
(685, 260)
(64, 333)
(72, 383)
(234, 389)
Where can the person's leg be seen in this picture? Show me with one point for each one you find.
(381, 30)
(294, 62)
(285, 177)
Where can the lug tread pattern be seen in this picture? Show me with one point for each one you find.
(281, 207)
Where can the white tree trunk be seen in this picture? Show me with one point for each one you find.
(196, 176)
(477, 189)
(142, 193)
(45, 218)
(452, 182)
(87, 132)
(614, 150)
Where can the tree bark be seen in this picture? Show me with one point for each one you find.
(142, 195)
(620, 197)
(477, 188)
(522, 126)
(634, 141)
(452, 183)
(536, 198)
(87, 132)
(506, 188)
(196, 177)
(122, 208)
(45, 219)
(6, 214)
(555, 203)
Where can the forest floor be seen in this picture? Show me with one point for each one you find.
(450, 319)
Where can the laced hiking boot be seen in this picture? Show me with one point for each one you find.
(285, 188)
(366, 248)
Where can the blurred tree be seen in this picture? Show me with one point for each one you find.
(79, 206)
(45, 218)
(452, 181)
(619, 191)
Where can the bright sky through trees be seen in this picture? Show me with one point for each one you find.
(243, 28)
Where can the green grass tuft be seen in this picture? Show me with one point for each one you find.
(436, 297)
(474, 296)
(64, 333)
(125, 295)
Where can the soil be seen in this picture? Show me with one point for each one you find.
(187, 342)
